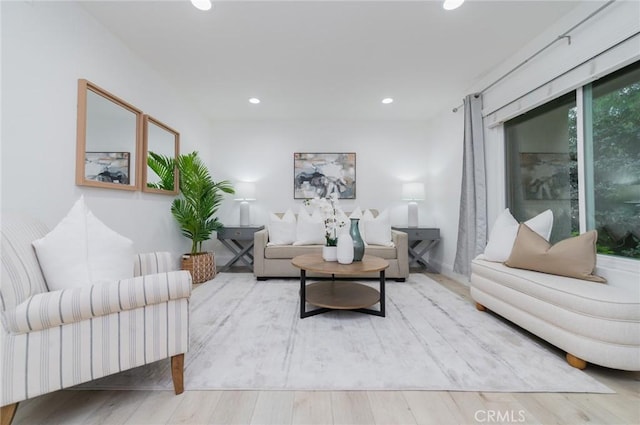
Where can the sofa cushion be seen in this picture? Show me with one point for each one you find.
(504, 231)
(589, 298)
(572, 257)
(309, 228)
(377, 229)
(386, 252)
(81, 250)
(282, 230)
(289, 251)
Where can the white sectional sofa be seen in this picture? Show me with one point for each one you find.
(593, 322)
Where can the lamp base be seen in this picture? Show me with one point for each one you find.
(244, 214)
(413, 214)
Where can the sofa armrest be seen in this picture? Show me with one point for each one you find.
(51, 309)
(260, 240)
(401, 241)
(153, 262)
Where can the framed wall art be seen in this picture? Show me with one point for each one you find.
(323, 174)
(111, 167)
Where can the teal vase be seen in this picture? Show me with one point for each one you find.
(358, 243)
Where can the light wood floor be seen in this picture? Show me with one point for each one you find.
(343, 407)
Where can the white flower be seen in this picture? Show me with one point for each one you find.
(329, 209)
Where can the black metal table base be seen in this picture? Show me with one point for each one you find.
(303, 300)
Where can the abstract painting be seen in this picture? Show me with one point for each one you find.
(323, 174)
(111, 167)
(545, 175)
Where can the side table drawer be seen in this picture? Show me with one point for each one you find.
(237, 233)
(422, 234)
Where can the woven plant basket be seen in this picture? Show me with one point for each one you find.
(202, 266)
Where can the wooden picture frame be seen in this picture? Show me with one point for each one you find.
(106, 125)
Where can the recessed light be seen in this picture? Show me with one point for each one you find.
(201, 4)
(387, 100)
(452, 4)
(254, 100)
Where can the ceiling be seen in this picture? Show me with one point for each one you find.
(325, 59)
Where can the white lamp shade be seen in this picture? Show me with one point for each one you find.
(452, 4)
(245, 191)
(413, 191)
(201, 4)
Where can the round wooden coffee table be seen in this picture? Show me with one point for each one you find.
(340, 295)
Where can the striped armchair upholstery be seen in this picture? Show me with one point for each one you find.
(54, 340)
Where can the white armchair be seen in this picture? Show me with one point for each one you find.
(54, 340)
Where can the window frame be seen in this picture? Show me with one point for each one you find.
(586, 186)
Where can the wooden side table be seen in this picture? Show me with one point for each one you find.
(416, 236)
(231, 237)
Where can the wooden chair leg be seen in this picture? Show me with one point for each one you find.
(7, 413)
(576, 362)
(480, 307)
(177, 373)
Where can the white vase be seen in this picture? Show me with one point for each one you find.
(345, 249)
(330, 253)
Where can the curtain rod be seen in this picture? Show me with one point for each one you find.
(558, 38)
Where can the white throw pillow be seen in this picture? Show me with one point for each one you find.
(356, 213)
(81, 250)
(282, 231)
(378, 229)
(505, 230)
(310, 228)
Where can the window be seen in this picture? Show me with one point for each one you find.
(542, 165)
(543, 170)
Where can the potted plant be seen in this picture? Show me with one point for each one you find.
(332, 223)
(198, 200)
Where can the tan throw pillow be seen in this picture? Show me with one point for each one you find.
(573, 257)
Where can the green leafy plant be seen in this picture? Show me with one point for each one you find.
(329, 209)
(199, 195)
(164, 167)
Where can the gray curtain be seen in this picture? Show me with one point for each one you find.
(472, 224)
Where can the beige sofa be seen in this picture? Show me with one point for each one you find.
(275, 260)
(591, 322)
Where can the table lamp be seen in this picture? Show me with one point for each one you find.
(413, 192)
(245, 192)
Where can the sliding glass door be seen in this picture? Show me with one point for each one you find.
(542, 165)
(612, 141)
(600, 125)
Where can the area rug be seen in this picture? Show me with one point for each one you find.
(247, 334)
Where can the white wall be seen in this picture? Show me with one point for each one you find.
(46, 48)
(567, 65)
(387, 153)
